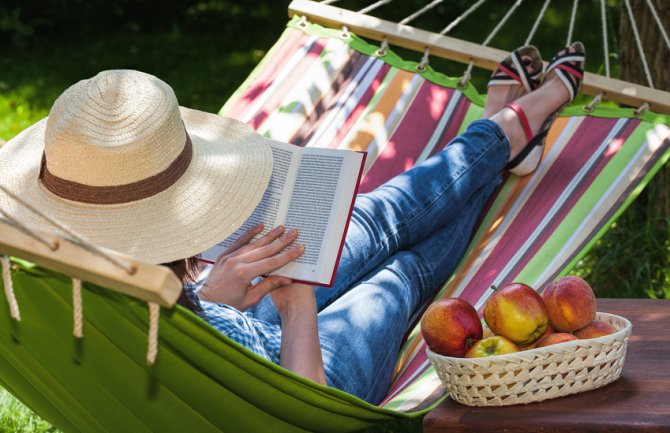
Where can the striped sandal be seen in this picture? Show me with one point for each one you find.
(567, 66)
(523, 65)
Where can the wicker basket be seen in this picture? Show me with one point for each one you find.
(536, 374)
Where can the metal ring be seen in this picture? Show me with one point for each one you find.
(420, 68)
(462, 83)
(381, 52)
(588, 109)
(345, 33)
(302, 24)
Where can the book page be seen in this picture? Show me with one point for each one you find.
(272, 208)
(319, 207)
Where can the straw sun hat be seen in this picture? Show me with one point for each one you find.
(120, 162)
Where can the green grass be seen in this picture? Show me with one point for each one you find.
(16, 418)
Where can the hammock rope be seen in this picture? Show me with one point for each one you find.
(536, 24)
(77, 309)
(426, 54)
(638, 42)
(424, 61)
(81, 242)
(659, 24)
(52, 245)
(468, 72)
(595, 101)
(374, 6)
(460, 18)
(606, 50)
(154, 315)
(599, 97)
(573, 17)
(420, 12)
(9, 289)
(641, 109)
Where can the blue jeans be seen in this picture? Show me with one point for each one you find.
(404, 240)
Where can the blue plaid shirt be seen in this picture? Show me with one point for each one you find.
(256, 335)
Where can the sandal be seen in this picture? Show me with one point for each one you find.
(523, 65)
(567, 66)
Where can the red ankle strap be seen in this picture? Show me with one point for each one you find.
(522, 119)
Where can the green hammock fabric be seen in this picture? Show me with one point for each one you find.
(312, 86)
(201, 382)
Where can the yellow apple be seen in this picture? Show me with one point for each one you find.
(491, 346)
(517, 313)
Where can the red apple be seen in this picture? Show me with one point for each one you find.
(451, 326)
(517, 313)
(570, 302)
(597, 328)
(491, 346)
(559, 337)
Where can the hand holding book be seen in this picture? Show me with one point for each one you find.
(228, 281)
(313, 190)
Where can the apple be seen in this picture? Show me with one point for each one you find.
(517, 313)
(495, 345)
(558, 337)
(532, 345)
(597, 328)
(451, 326)
(570, 302)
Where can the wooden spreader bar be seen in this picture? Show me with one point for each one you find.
(405, 36)
(147, 282)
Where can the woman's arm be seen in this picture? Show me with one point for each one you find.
(300, 348)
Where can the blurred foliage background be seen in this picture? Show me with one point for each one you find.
(205, 48)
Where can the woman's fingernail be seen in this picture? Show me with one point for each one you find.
(279, 229)
(292, 232)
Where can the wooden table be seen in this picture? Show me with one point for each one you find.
(638, 402)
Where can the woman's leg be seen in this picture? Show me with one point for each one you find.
(361, 332)
(412, 206)
(416, 204)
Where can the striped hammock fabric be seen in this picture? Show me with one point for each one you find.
(318, 88)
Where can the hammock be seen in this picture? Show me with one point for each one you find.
(318, 86)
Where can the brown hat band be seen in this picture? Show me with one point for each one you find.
(118, 193)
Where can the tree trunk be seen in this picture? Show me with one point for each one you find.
(650, 213)
(654, 202)
(655, 49)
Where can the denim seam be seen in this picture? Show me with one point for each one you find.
(413, 217)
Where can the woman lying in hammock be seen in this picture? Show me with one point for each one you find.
(94, 165)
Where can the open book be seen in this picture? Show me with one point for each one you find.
(312, 190)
